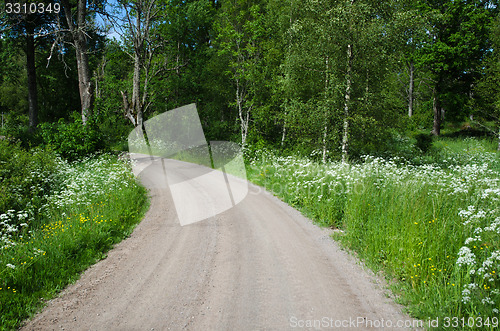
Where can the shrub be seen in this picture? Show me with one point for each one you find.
(26, 177)
(424, 142)
(72, 140)
(97, 204)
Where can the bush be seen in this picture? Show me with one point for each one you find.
(96, 204)
(72, 140)
(424, 142)
(26, 177)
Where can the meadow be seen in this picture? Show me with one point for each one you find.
(64, 217)
(431, 224)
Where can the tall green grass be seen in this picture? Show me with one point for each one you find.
(96, 204)
(433, 228)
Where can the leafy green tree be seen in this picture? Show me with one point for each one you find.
(408, 33)
(487, 90)
(13, 86)
(338, 58)
(454, 56)
(186, 31)
(28, 29)
(240, 33)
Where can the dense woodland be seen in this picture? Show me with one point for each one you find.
(336, 78)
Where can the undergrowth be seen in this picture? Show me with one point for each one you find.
(86, 207)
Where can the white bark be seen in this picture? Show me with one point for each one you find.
(325, 120)
(347, 99)
(410, 89)
(243, 112)
(284, 130)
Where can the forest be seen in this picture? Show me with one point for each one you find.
(379, 120)
(339, 79)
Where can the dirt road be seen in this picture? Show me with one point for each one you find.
(258, 266)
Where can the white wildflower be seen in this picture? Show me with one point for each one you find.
(466, 257)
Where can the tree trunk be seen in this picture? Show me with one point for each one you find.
(242, 114)
(133, 109)
(410, 89)
(436, 107)
(136, 90)
(288, 72)
(283, 135)
(82, 60)
(345, 136)
(498, 148)
(136, 83)
(31, 70)
(367, 88)
(128, 110)
(325, 120)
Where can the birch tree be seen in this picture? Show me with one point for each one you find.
(239, 34)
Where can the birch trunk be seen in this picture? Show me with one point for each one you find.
(288, 72)
(325, 120)
(284, 130)
(242, 114)
(347, 99)
(410, 89)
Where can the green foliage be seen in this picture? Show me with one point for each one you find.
(416, 222)
(15, 126)
(96, 205)
(73, 140)
(487, 103)
(424, 142)
(13, 83)
(289, 59)
(457, 51)
(26, 177)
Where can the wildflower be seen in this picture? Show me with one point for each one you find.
(466, 257)
(10, 266)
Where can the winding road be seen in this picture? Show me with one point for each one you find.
(258, 266)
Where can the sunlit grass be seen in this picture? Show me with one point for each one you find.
(433, 228)
(97, 205)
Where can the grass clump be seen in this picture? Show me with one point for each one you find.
(94, 205)
(433, 227)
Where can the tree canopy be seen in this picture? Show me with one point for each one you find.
(339, 77)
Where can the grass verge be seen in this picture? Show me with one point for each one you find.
(433, 228)
(97, 204)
